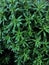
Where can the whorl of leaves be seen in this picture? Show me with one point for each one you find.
(24, 32)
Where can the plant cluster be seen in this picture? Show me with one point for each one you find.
(24, 32)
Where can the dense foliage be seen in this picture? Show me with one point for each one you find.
(24, 32)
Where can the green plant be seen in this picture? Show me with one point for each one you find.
(24, 32)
